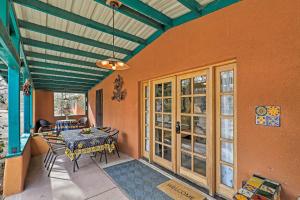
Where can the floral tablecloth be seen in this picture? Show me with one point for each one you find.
(78, 143)
(64, 125)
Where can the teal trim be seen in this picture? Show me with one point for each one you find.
(59, 59)
(63, 67)
(69, 90)
(67, 74)
(54, 78)
(61, 82)
(72, 37)
(25, 138)
(13, 110)
(31, 109)
(54, 85)
(4, 13)
(214, 6)
(68, 50)
(125, 10)
(26, 106)
(149, 11)
(10, 56)
(61, 13)
(193, 5)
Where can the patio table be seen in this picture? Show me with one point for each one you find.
(63, 125)
(78, 143)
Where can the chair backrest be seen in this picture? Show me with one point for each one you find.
(113, 136)
(44, 122)
(106, 129)
(83, 120)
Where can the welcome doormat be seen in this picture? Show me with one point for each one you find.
(179, 191)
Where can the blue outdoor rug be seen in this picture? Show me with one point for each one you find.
(138, 180)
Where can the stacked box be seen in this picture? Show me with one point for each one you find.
(259, 188)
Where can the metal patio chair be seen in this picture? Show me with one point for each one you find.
(57, 148)
(112, 138)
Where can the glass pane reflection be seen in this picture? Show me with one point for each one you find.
(199, 105)
(227, 128)
(158, 90)
(168, 89)
(200, 85)
(186, 160)
(168, 105)
(168, 121)
(158, 120)
(158, 134)
(227, 105)
(200, 145)
(186, 104)
(227, 81)
(186, 86)
(158, 105)
(200, 166)
(227, 152)
(227, 175)
(167, 137)
(186, 142)
(158, 149)
(199, 125)
(167, 153)
(186, 123)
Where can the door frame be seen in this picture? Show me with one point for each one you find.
(169, 165)
(212, 182)
(99, 93)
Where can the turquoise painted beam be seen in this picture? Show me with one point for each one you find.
(13, 111)
(211, 7)
(149, 11)
(31, 109)
(193, 5)
(59, 59)
(26, 107)
(214, 6)
(61, 13)
(64, 49)
(68, 91)
(72, 37)
(60, 82)
(61, 88)
(42, 76)
(63, 67)
(10, 55)
(66, 85)
(4, 13)
(125, 10)
(67, 74)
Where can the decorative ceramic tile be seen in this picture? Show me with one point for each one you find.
(268, 115)
(246, 193)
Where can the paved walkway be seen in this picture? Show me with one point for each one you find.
(90, 182)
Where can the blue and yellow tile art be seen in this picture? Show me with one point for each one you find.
(268, 115)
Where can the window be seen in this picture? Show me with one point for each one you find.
(66, 104)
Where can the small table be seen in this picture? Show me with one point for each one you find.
(63, 125)
(78, 143)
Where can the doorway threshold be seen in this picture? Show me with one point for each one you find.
(181, 179)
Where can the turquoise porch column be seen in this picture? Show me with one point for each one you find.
(13, 110)
(26, 106)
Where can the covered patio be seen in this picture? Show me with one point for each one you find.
(150, 99)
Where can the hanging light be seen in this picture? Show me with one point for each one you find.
(113, 63)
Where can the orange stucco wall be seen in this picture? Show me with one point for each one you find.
(44, 107)
(263, 36)
(15, 172)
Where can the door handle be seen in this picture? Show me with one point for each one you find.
(178, 127)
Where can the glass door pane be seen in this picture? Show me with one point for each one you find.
(225, 119)
(163, 126)
(146, 119)
(192, 116)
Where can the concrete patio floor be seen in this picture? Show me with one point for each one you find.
(89, 182)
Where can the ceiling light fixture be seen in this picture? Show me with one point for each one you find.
(113, 63)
